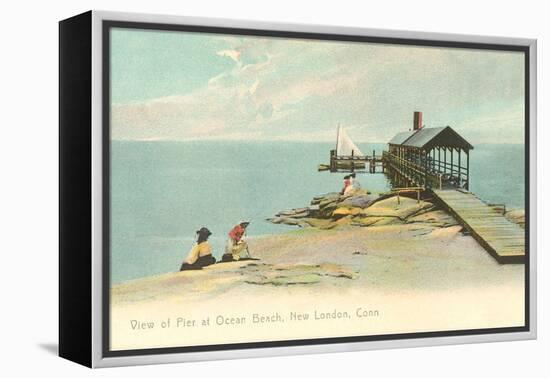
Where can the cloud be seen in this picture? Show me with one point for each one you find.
(233, 54)
(281, 89)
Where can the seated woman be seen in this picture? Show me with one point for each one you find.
(236, 248)
(201, 254)
(352, 185)
(346, 184)
(354, 182)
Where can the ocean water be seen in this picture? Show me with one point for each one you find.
(162, 192)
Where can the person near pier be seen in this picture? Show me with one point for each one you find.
(201, 254)
(236, 247)
(354, 182)
(346, 184)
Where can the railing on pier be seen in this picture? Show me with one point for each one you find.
(417, 190)
(452, 175)
(413, 173)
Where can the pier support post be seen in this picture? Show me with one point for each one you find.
(445, 159)
(452, 164)
(459, 169)
(468, 170)
(332, 160)
(439, 159)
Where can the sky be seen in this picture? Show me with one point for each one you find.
(181, 86)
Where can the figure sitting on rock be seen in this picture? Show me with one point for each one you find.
(346, 184)
(201, 254)
(353, 182)
(236, 247)
(350, 185)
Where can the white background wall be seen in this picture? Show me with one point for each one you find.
(28, 156)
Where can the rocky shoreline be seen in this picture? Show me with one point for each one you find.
(361, 208)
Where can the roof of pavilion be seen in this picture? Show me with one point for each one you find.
(428, 138)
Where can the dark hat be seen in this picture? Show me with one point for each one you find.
(204, 231)
(346, 177)
(244, 223)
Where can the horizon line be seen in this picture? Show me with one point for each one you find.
(268, 140)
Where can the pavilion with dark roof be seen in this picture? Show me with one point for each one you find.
(434, 157)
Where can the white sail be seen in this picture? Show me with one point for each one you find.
(344, 144)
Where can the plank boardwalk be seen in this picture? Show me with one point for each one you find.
(503, 239)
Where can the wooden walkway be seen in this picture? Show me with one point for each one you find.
(503, 239)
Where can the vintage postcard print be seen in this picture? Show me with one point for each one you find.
(276, 189)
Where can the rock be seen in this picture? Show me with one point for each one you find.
(387, 221)
(516, 216)
(342, 211)
(314, 211)
(285, 275)
(361, 201)
(327, 202)
(345, 221)
(436, 218)
(291, 221)
(325, 197)
(390, 207)
(323, 224)
(375, 221)
(295, 213)
(326, 212)
(365, 221)
(362, 209)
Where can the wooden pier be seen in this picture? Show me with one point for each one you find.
(436, 161)
(403, 172)
(353, 163)
(347, 157)
(503, 239)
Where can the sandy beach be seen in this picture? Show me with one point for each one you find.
(395, 277)
(410, 271)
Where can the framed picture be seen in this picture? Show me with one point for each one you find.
(232, 189)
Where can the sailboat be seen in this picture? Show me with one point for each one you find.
(344, 145)
(346, 156)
